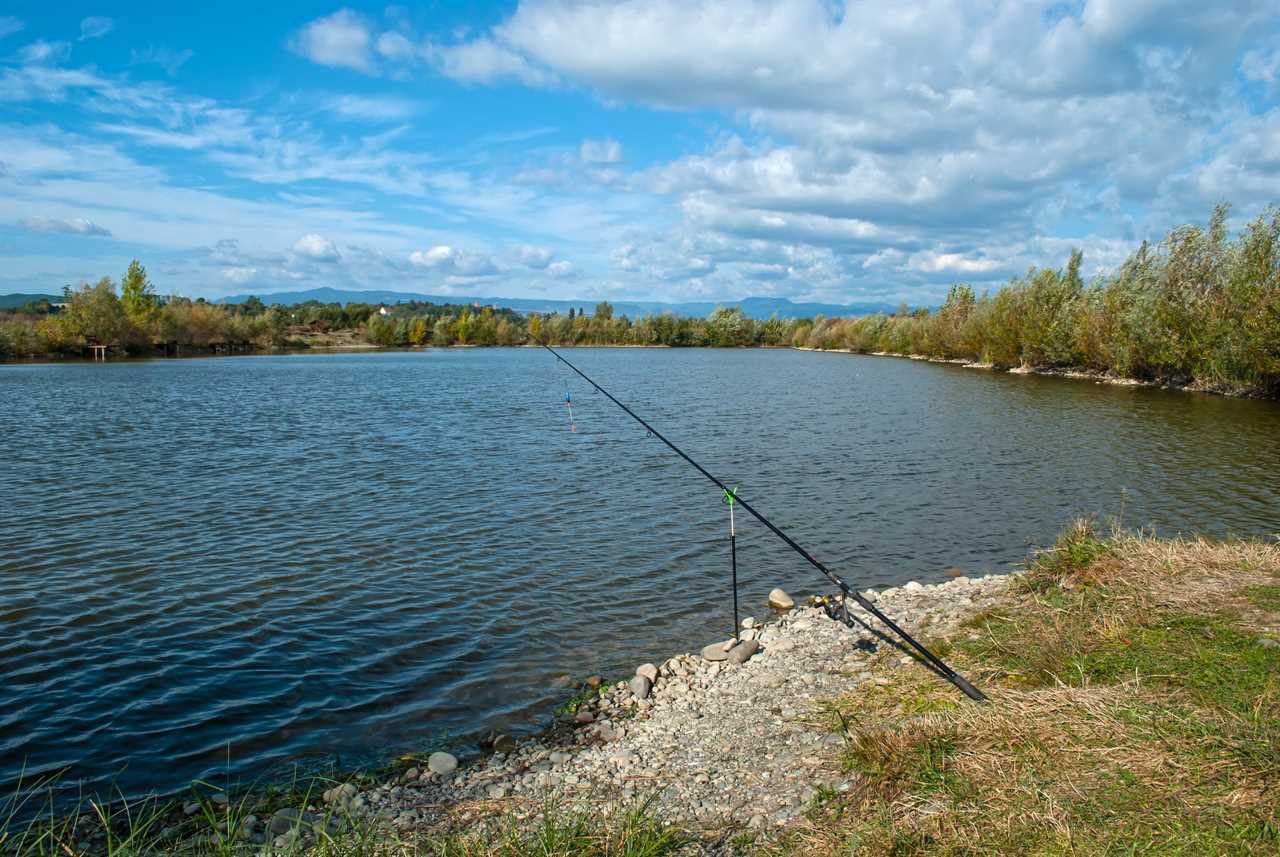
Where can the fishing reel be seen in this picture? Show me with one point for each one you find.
(838, 610)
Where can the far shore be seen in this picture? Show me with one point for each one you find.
(1074, 373)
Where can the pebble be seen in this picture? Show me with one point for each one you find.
(593, 681)
(640, 687)
(283, 821)
(742, 652)
(780, 600)
(442, 764)
(717, 651)
(1268, 643)
(716, 743)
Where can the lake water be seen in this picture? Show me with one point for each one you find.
(225, 567)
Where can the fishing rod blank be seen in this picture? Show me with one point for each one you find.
(930, 658)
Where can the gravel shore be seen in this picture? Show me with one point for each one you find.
(717, 745)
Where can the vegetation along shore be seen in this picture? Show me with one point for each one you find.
(1199, 310)
(1134, 686)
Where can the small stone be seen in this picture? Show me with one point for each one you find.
(561, 681)
(649, 671)
(1268, 643)
(913, 586)
(584, 716)
(742, 652)
(749, 622)
(497, 792)
(283, 821)
(780, 600)
(505, 744)
(442, 764)
(640, 687)
(409, 776)
(191, 808)
(219, 799)
(593, 681)
(717, 651)
(559, 758)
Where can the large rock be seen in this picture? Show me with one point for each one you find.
(780, 600)
(742, 652)
(717, 651)
(649, 671)
(442, 764)
(640, 686)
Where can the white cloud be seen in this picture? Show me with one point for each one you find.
(374, 107)
(600, 151)
(340, 40)
(397, 47)
(533, 256)
(316, 247)
(562, 269)
(240, 274)
(166, 58)
(95, 27)
(485, 61)
(9, 25)
(71, 226)
(450, 260)
(41, 51)
(950, 263)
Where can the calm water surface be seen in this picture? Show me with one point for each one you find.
(231, 566)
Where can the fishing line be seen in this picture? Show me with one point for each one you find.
(919, 650)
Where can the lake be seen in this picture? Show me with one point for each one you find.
(221, 568)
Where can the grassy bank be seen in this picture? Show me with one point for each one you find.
(1135, 688)
(1135, 709)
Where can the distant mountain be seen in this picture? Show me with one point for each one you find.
(757, 308)
(18, 300)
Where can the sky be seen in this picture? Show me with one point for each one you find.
(659, 150)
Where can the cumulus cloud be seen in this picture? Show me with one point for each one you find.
(240, 275)
(316, 247)
(562, 268)
(600, 151)
(95, 27)
(533, 256)
(444, 259)
(485, 61)
(340, 40)
(72, 226)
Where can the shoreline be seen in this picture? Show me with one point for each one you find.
(611, 743)
(1076, 374)
(1073, 373)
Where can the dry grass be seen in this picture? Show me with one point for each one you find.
(1133, 711)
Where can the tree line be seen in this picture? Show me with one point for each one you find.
(1198, 308)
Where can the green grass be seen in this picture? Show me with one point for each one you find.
(1264, 597)
(1133, 712)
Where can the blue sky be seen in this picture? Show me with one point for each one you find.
(658, 150)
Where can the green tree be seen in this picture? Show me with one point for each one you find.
(138, 296)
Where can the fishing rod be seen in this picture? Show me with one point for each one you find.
(933, 661)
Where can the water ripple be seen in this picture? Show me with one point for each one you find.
(215, 568)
